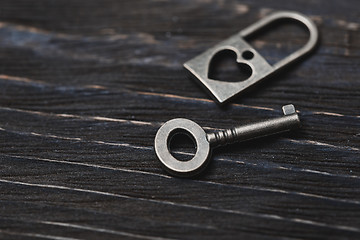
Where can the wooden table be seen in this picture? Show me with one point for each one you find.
(86, 84)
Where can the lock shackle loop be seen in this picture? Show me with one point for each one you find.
(309, 24)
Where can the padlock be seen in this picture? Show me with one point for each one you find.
(223, 91)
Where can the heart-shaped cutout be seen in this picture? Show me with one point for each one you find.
(224, 67)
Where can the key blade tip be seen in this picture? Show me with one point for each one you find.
(289, 109)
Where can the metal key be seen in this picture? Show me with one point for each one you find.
(205, 142)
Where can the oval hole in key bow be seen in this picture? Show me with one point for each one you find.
(224, 67)
(182, 145)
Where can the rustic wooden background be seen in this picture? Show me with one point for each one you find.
(86, 84)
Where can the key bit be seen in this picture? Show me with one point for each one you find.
(205, 142)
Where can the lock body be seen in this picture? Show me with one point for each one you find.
(224, 91)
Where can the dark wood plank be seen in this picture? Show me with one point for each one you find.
(86, 84)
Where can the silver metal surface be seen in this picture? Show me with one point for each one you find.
(171, 164)
(204, 142)
(223, 91)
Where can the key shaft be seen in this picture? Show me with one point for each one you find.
(289, 121)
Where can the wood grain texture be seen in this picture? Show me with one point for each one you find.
(86, 84)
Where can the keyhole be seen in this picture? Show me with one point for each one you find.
(182, 145)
